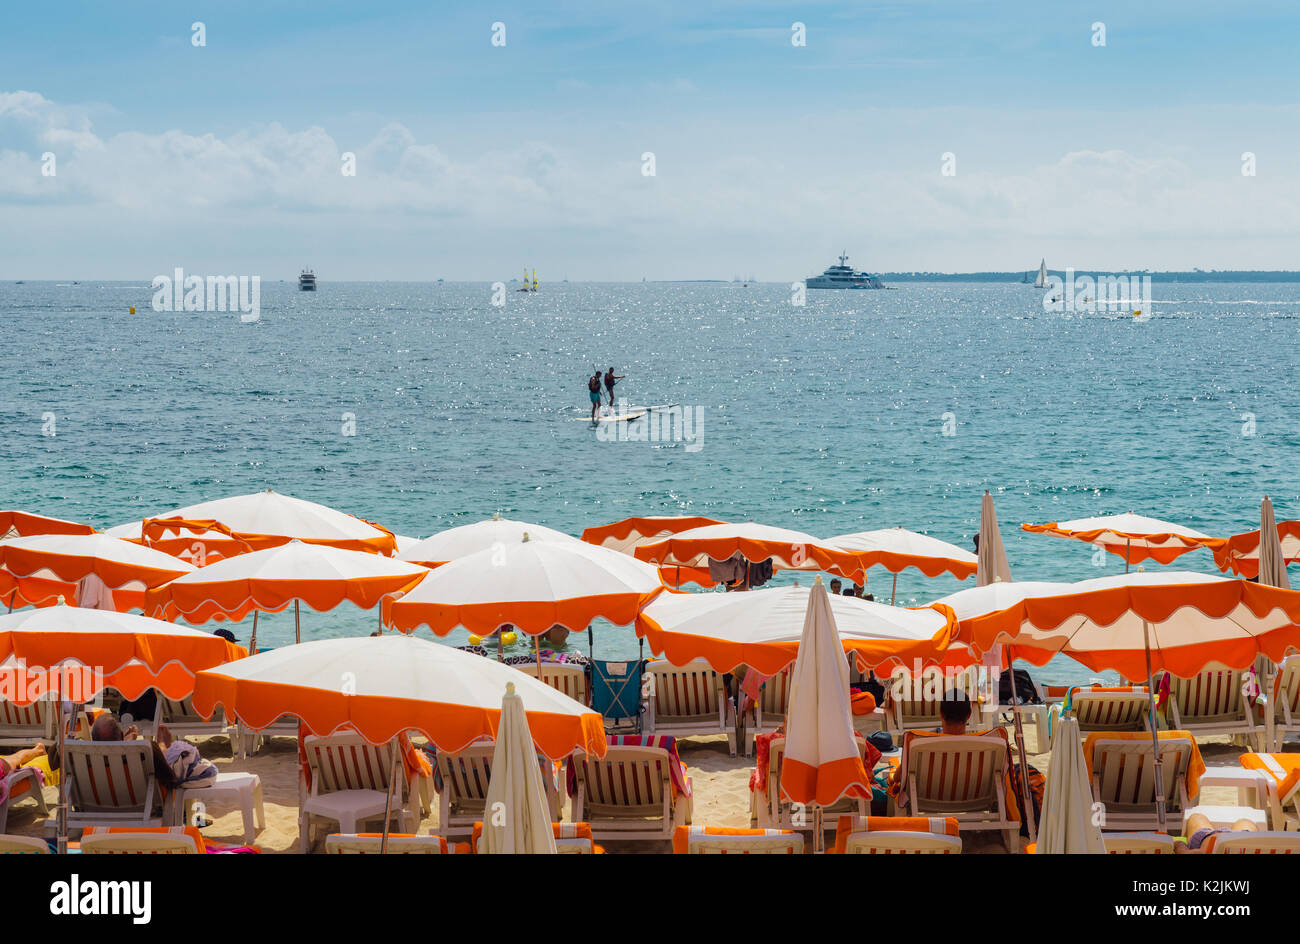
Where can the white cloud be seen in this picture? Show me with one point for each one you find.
(711, 208)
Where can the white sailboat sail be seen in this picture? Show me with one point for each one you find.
(1041, 281)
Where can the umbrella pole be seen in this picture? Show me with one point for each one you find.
(1128, 549)
(1155, 733)
(591, 643)
(388, 800)
(11, 599)
(819, 835)
(61, 822)
(893, 595)
(252, 643)
(1027, 807)
(297, 631)
(537, 648)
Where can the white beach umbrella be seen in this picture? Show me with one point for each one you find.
(516, 817)
(467, 539)
(822, 762)
(1067, 825)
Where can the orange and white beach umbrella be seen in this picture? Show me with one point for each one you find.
(1184, 620)
(822, 762)
(268, 581)
(467, 539)
(118, 650)
(382, 686)
(627, 535)
(260, 520)
(1240, 553)
(38, 570)
(532, 585)
(1135, 538)
(763, 628)
(21, 524)
(788, 550)
(897, 548)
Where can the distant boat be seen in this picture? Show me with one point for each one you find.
(843, 276)
(1026, 280)
(528, 286)
(1041, 281)
(307, 281)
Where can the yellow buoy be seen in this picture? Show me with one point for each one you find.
(509, 638)
(475, 640)
(133, 309)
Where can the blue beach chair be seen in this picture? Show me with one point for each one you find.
(616, 692)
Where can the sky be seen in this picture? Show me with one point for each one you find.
(475, 159)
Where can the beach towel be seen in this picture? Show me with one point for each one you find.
(1195, 767)
(847, 825)
(188, 767)
(1283, 768)
(682, 835)
(681, 783)
(898, 785)
(204, 846)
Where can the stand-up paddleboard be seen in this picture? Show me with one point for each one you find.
(612, 417)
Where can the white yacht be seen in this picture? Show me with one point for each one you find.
(307, 281)
(843, 276)
(1041, 281)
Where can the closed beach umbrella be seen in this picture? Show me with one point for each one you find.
(40, 569)
(822, 762)
(516, 817)
(992, 563)
(467, 539)
(993, 568)
(382, 686)
(260, 520)
(1135, 538)
(1272, 559)
(897, 548)
(268, 581)
(787, 550)
(532, 585)
(1067, 826)
(763, 628)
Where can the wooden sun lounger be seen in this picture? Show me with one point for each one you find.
(687, 700)
(350, 782)
(628, 794)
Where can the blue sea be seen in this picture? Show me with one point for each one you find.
(828, 417)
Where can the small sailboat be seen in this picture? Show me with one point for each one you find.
(524, 287)
(1041, 281)
(534, 288)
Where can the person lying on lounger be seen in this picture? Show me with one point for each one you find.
(11, 762)
(1199, 828)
